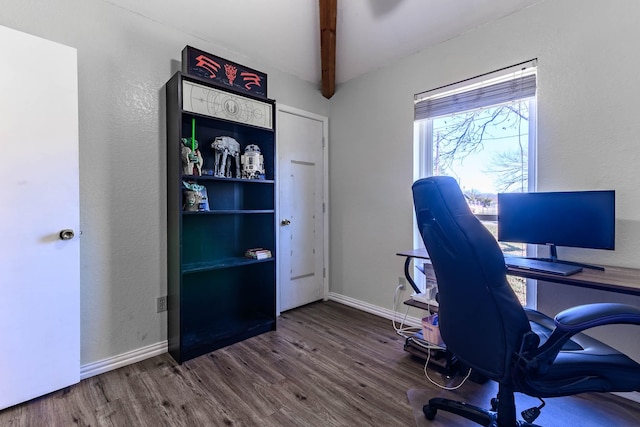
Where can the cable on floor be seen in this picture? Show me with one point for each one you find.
(408, 331)
(426, 374)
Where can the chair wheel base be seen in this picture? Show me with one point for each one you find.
(470, 412)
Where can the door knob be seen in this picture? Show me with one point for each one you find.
(285, 222)
(66, 234)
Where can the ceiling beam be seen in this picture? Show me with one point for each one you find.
(328, 14)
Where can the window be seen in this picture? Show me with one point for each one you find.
(482, 132)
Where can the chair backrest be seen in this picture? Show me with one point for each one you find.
(481, 320)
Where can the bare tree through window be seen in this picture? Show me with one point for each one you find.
(486, 150)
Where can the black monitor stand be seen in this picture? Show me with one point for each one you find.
(553, 257)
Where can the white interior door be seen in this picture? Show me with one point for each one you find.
(301, 198)
(39, 272)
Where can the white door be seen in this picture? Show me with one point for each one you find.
(39, 272)
(301, 201)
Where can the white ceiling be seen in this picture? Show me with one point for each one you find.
(285, 33)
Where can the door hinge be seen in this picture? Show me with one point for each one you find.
(323, 208)
(324, 272)
(324, 142)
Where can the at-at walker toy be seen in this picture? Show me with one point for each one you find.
(252, 163)
(223, 147)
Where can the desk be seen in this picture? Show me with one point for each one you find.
(613, 279)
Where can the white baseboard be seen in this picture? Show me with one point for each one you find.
(124, 359)
(133, 356)
(374, 309)
(633, 395)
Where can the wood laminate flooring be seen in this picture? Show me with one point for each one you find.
(326, 365)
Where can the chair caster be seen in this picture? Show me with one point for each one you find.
(429, 412)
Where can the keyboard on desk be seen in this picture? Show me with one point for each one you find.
(542, 266)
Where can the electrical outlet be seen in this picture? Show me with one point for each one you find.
(162, 303)
(402, 282)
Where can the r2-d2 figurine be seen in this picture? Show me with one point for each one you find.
(252, 163)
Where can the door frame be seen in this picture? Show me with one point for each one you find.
(325, 195)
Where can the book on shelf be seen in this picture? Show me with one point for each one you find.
(258, 253)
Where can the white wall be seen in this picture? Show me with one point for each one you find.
(587, 139)
(124, 60)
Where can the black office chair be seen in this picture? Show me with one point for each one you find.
(484, 325)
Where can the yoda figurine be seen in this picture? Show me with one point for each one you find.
(191, 157)
(194, 197)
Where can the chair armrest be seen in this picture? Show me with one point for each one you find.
(579, 318)
(574, 320)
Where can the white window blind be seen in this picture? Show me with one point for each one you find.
(499, 87)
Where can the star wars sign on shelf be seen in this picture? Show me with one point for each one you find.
(224, 73)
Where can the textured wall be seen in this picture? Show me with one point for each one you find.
(587, 138)
(124, 61)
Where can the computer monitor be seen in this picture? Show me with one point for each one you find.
(579, 219)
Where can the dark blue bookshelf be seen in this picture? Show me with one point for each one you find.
(216, 295)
